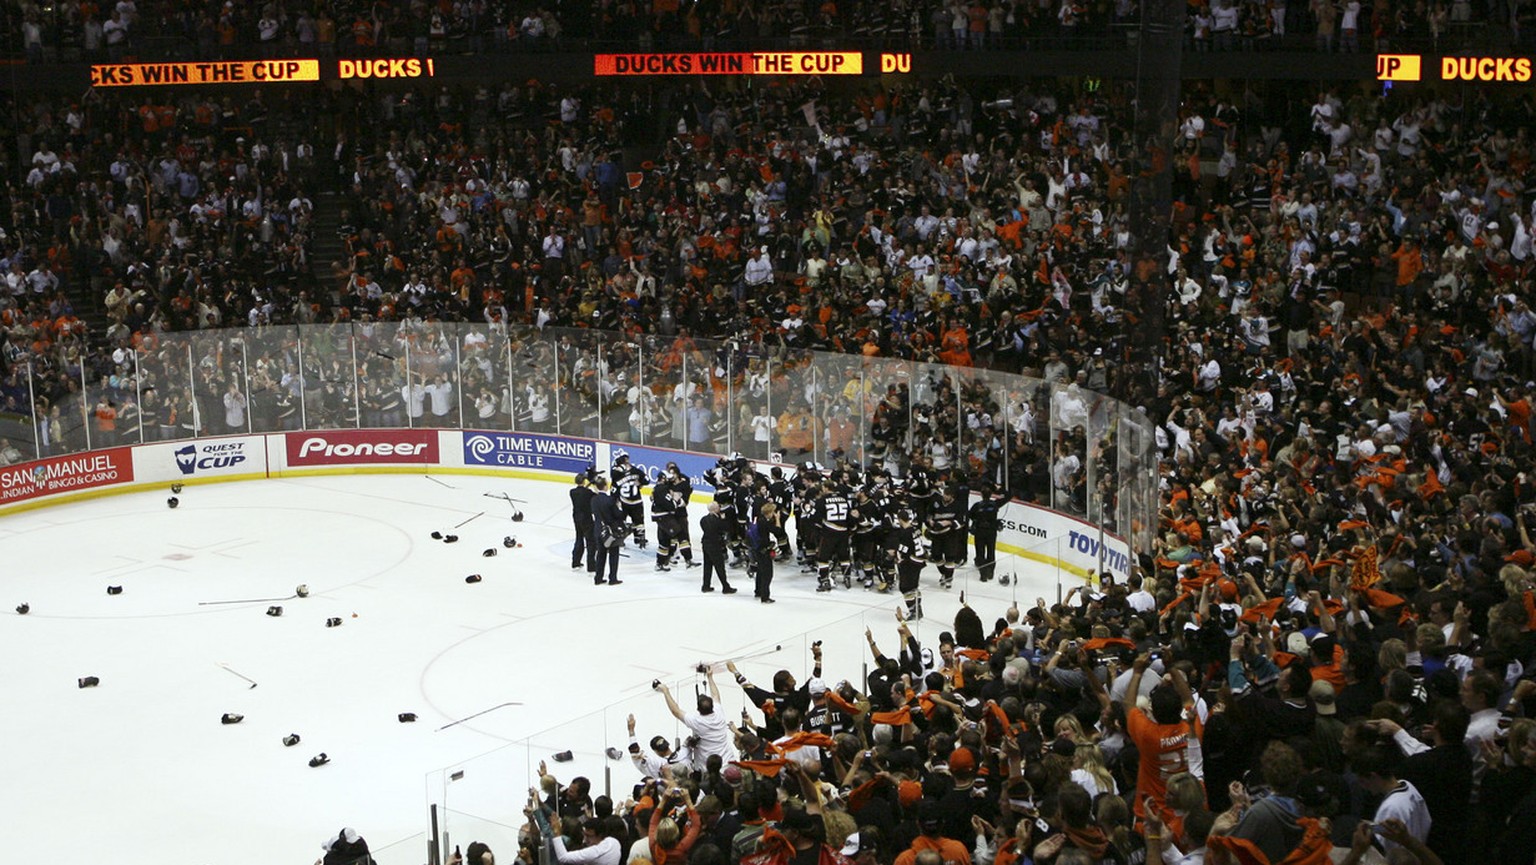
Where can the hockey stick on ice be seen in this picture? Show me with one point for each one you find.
(476, 715)
(227, 669)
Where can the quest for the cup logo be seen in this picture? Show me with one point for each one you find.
(211, 457)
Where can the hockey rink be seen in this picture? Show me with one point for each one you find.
(140, 769)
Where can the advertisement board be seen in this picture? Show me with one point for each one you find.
(361, 447)
(205, 458)
(67, 474)
(653, 460)
(528, 451)
(1041, 533)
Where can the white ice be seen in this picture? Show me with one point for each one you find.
(140, 769)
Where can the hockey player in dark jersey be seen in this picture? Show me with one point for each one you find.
(729, 495)
(628, 479)
(834, 519)
(669, 510)
(807, 487)
(910, 559)
(920, 488)
(782, 492)
(946, 534)
(683, 487)
(868, 526)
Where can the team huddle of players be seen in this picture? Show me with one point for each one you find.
(850, 523)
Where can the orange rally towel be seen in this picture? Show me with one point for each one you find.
(766, 768)
(1097, 643)
(899, 718)
(1365, 573)
(842, 705)
(805, 739)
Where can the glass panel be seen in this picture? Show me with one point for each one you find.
(381, 366)
(796, 388)
(102, 403)
(709, 408)
(1103, 464)
(434, 356)
(1070, 408)
(935, 416)
(183, 415)
(533, 383)
(1024, 414)
(583, 359)
(755, 435)
(838, 405)
(626, 402)
(1138, 454)
(18, 432)
(219, 381)
(981, 428)
(888, 385)
(272, 353)
(664, 360)
(481, 375)
(165, 388)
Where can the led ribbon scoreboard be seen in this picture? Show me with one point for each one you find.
(768, 63)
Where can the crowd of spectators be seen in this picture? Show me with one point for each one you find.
(1341, 583)
(1117, 726)
(81, 29)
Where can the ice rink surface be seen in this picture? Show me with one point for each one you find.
(141, 770)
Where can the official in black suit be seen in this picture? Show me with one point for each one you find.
(713, 528)
(607, 522)
(581, 521)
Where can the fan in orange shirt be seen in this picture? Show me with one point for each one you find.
(1162, 739)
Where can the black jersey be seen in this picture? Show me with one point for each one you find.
(909, 546)
(868, 516)
(663, 500)
(946, 517)
(834, 512)
(984, 514)
(627, 481)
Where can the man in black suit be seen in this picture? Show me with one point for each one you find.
(581, 520)
(607, 533)
(712, 525)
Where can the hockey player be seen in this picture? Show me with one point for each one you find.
(669, 511)
(807, 487)
(783, 495)
(984, 523)
(663, 508)
(683, 487)
(920, 482)
(868, 523)
(910, 559)
(727, 495)
(946, 534)
(834, 518)
(628, 479)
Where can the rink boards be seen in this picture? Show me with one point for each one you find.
(1029, 531)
